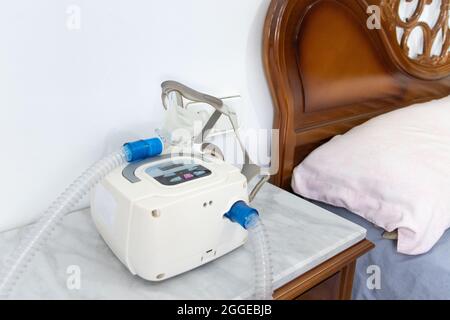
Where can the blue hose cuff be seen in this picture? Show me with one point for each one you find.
(242, 214)
(143, 149)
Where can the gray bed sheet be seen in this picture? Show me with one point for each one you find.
(402, 277)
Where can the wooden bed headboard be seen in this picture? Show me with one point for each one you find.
(329, 72)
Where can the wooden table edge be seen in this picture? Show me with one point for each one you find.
(343, 263)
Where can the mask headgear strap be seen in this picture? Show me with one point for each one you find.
(249, 169)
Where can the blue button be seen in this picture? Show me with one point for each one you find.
(175, 180)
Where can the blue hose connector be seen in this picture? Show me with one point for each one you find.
(143, 149)
(242, 214)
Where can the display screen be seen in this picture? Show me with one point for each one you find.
(172, 173)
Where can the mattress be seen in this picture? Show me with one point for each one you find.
(385, 274)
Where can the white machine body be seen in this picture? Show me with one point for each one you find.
(165, 216)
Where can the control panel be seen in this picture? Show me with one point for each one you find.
(172, 173)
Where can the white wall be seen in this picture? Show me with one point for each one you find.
(68, 96)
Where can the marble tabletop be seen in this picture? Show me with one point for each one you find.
(302, 236)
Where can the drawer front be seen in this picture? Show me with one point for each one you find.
(327, 290)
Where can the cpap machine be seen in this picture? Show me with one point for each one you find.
(165, 205)
(164, 216)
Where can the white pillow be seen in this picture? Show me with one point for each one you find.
(393, 170)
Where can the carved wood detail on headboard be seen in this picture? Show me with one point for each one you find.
(328, 72)
(432, 62)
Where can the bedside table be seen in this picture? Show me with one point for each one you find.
(337, 243)
(313, 251)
